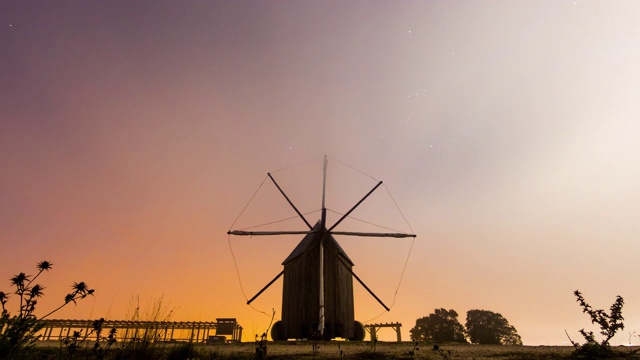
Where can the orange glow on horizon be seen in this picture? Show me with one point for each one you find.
(132, 135)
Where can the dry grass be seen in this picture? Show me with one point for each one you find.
(391, 350)
(363, 350)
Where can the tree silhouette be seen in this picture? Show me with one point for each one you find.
(440, 326)
(488, 327)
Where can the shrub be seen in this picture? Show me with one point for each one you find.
(609, 326)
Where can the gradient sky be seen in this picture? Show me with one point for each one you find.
(133, 133)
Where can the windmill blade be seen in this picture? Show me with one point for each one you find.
(265, 233)
(265, 288)
(364, 285)
(289, 201)
(393, 235)
(355, 206)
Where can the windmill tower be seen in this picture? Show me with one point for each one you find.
(317, 294)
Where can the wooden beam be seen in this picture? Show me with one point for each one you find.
(367, 234)
(355, 206)
(363, 284)
(289, 201)
(264, 233)
(265, 288)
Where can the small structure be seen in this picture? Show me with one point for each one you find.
(217, 339)
(372, 329)
(229, 327)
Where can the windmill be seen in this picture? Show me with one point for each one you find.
(317, 295)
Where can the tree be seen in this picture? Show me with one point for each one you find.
(488, 327)
(440, 326)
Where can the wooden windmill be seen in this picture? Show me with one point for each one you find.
(317, 295)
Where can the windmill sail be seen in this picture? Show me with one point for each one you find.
(317, 294)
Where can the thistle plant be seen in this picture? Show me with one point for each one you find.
(18, 332)
(76, 341)
(414, 351)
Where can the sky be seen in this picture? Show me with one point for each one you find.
(134, 133)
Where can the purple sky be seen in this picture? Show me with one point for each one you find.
(132, 133)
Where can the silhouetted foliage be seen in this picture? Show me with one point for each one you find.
(316, 337)
(609, 323)
(442, 353)
(18, 331)
(491, 328)
(440, 326)
(261, 342)
(609, 326)
(99, 349)
(413, 353)
(183, 351)
(145, 343)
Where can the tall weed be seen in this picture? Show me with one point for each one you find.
(19, 331)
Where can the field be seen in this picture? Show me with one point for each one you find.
(330, 350)
(394, 350)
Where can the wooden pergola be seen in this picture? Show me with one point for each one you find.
(372, 329)
(127, 330)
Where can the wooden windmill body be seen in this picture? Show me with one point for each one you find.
(317, 295)
(301, 289)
